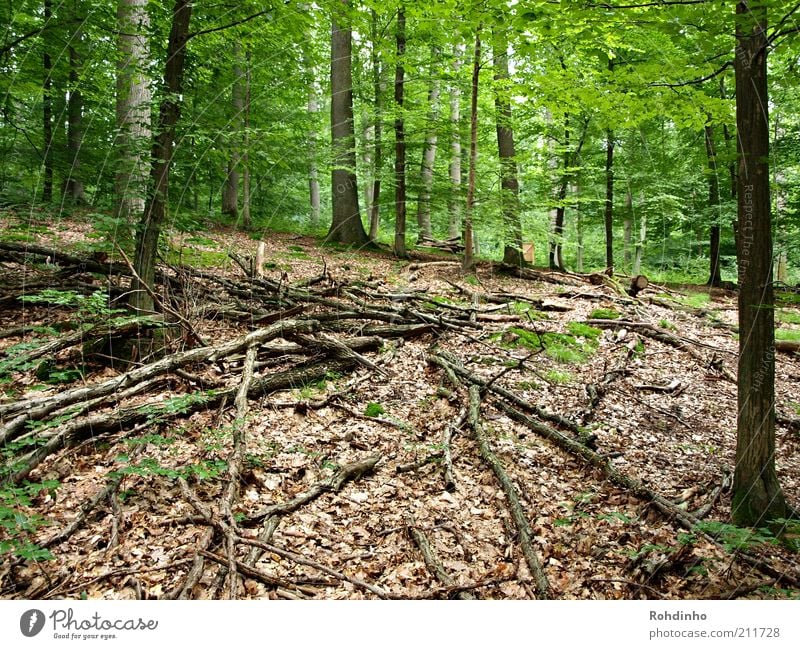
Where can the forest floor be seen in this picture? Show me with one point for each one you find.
(334, 453)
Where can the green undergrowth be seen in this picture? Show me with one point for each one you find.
(604, 314)
(573, 347)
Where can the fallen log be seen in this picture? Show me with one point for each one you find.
(433, 562)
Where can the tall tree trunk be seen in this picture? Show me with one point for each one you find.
(627, 228)
(313, 138)
(713, 204)
(230, 193)
(757, 496)
(556, 245)
(400, 140)
(468, 265)
(639, 251)
(512, 224)
(608, 216)
(454, 202)
(47, 109)
(428, 161)
(346, 226)
(247, 220)
(155, 209)
(73, 184)
(133, 109)
(377, 83)
(578, 232)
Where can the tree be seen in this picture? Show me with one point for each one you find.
(346, 226)
(400, 140)
(715, 278)
(47, 109)
(428, 159)
(73, 183)
(230, 192)
(468, 264)
(133, 109)
(757, 496)
(509, 184)
(155, 210)
(454, 203)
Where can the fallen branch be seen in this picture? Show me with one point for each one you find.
(432, 560)
(512, 497)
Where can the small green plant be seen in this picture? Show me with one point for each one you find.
(18, 526)
(579, 329)
(472, 280)
(604, 314)
(559, 377)
(735, 538)
(666, 324)
(374, 409)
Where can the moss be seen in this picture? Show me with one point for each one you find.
(605, 314)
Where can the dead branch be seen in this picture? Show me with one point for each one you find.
(335, 483)
(520, 520)
(432, 560)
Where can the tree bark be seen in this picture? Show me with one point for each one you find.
(468, 265)
(346, 226)
(627, 230)
(608, 216)
(454, 203)
(377, 160)
(73, 184)
(639, 249)
(713, 204)
(313, 137)
(47, 110)
(230, 193)
(757, 496)
(400, 140)
(428, 161)
(133, 109)
(161, 157)
(247, 221)
(509, 183)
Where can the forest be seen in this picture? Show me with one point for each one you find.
(456, 299)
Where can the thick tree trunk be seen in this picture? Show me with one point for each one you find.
(400, 141)
(133, 109)
(346, 226)
(512, 225)
(468, 265)
(713, 204)
(757, 496)
(155, 209)
(73, 183)
(428, 161)
(47, 110)
(454, 202)
(377, 160)
(608, 216)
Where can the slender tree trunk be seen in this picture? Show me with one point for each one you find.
(627, 228)
(556, 245)
(133, 109)
(757, 496)
(155, 210)
(378, 86)
(230, 192)
(313, 138)
(428, 161)
(367, 158)
(47, 110)
(639, 252)
(468, 265)
(713, 204)
(247, 220)
(400, 140)
(346, 226)
(509, 183)
(454, 202)
(73, 184)
(608, 215)
(578, 232)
